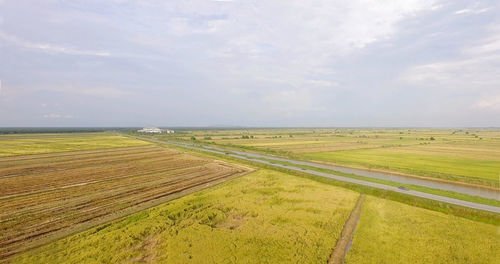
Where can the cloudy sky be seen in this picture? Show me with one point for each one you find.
(250, 63)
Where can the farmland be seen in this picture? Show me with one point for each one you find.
(263, 217)
(24, 144)
(272, 217)
(464, 155)
(49, 195)
(390, 232)
(121, 200)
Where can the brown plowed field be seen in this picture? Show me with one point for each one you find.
(48, 194)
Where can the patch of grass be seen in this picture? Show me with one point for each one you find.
(390, 232)
(24, 144)
(455, 195)
(438, 166)
(263, 217)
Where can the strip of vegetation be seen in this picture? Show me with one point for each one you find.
(469, 213)
(450, 194)
(438, 153)
(290, 155)
(467, 170)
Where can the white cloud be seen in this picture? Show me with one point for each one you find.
(321, 83)
(313, 31)
(101, 91)
(472, 75)
(289, 103)
(49, 48)
(490, 103)
(471, 11)
(57, 116)
(476, 65)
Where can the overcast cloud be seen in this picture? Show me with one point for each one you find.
(250, 63)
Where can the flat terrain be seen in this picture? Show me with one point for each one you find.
(24, 144)
(48, 194)
(110, 199)
(391, 232)
(465, 155)
(263, 217)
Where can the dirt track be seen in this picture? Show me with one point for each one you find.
(340, 249)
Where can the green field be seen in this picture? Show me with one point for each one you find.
(465, 155)
(271, 217)
(264, 217)
(391, 232)
(24, 144)
(439, 166)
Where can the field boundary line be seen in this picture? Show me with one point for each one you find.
(343, 243)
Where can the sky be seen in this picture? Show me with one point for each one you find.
(406, 63)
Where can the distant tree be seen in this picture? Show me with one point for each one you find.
(193, 138)
(432, 138)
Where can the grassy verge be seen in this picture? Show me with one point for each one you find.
(474, 170)
(477, 171)
(469, 213)
(263, 217)
(390, 232)
(450, 194)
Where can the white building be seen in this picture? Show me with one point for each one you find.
(155, 130)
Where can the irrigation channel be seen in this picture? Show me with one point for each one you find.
(268, 160)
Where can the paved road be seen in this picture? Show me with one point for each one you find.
(246, 156)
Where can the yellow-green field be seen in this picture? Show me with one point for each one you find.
(466, 155)
(264, 217)
(24, 144)
(391, 232)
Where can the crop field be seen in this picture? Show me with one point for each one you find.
(104, 198)
(24, 144)
(263, 217)
(391, 232)
(47, 195)
(467, 155)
